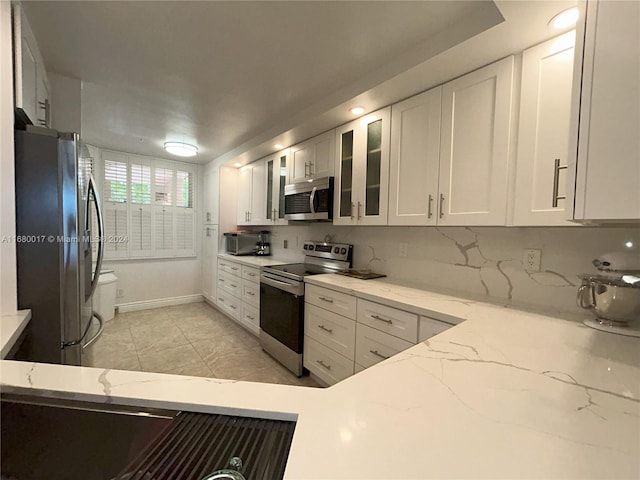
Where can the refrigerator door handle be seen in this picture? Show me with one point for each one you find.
(96, 199)
(98, 333)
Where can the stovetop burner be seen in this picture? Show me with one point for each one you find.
(301, 269)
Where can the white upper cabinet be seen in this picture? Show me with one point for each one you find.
(474, 148)
(276, 176)
(362, 170)
(313, 158)
(31, 82)
(607, 167)
(415, 157)
(211, 196)
(543, 135)
(252, 195)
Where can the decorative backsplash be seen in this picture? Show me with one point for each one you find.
(481, 262)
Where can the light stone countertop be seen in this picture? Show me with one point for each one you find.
(11, 326)
(504, 394)
(254, 260)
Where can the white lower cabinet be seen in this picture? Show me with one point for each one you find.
(373, 346)
(390, 320)
(334, 331)
(239, 293)
(335, 302)
(329, 366)
(430, 327)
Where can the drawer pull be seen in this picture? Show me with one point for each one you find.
(385, 320)
(328, 367)
(221, 280)
(233, 285)
(251, 274)
(234, 268)
(233, 306)
(251, 293)
(328, 330)
(250, 317)
(324, 299)
(378, 354)
(221, 299)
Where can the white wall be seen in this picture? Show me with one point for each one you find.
(144, 280)
(8, 287)
(66, 103)
(483, 262)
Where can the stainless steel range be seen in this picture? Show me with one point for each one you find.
(282, 299)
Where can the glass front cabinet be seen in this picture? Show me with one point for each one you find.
(362, 170)
(276, 180)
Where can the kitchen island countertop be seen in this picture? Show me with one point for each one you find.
(504, 394)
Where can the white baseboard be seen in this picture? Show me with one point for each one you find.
(160, 302)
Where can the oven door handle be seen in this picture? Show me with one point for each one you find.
(297, 290)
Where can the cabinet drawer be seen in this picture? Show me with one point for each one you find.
(251, 318)
(251, 274)
(390, 320)
(330, 329)
(331, 300)
(251, 293)
(373, 346)
(329, 366)
(230, 304)
(230, 284)
(229, 267)
(430, 327)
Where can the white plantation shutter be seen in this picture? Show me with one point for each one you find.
(149, 202)
(140, 194)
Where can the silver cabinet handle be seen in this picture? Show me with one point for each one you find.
(208, 232)
(208, 216)
(429, 206)
(328, 300)
(221, 280)
(250, 317)
(233, 306)
(221, 299)
(328, 367)
(378, 354)
(556, 180)
(353, 206)
(385, 320)
(441, 205)
(251, 274)
(251, 294)
(234, 268)
(359, 206)
(233, 285)
(46, 106)
(328, 330)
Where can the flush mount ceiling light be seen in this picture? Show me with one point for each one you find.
(181, 149)
(357, 110)
(565, 19)
(237, 165)
(278, 146)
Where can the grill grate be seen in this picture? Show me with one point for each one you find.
(194, 445)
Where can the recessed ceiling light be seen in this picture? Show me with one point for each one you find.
(181, 149)
(357, 110)
(237, 165)
(629, 244)
(565, 19)
(278, 146)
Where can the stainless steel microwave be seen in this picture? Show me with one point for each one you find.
(311, 200)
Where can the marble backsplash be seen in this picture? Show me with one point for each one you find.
(480, 262)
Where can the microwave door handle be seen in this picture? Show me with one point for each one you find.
(312, 200)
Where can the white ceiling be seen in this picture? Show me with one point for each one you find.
(233, 77)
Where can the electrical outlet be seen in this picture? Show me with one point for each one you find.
(285, 244)
(531, 260)
(403, 249)
(119, 293)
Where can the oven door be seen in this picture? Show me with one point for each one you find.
(282, 311)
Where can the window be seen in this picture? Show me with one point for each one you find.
(148, 206)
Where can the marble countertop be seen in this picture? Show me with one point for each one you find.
(11, 326)
(504, 394)
(253, 260)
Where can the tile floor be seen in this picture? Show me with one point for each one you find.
(193, 339)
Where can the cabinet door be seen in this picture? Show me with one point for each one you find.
(276, 175)
(43, 105)
(258, 212)
(244, 194)
(415, 156)
(607, 179)
(28, 102)
(543, 132)
(209, 264)
(474, 147)
(301, 157)
(211, 197)
(323, 150)
(362, 183)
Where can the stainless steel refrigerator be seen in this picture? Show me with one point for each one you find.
(56, 199)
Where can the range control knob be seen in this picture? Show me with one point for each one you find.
(310, 247)
(343, 251)
(336, 250)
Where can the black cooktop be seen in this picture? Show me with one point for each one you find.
(300, 269)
